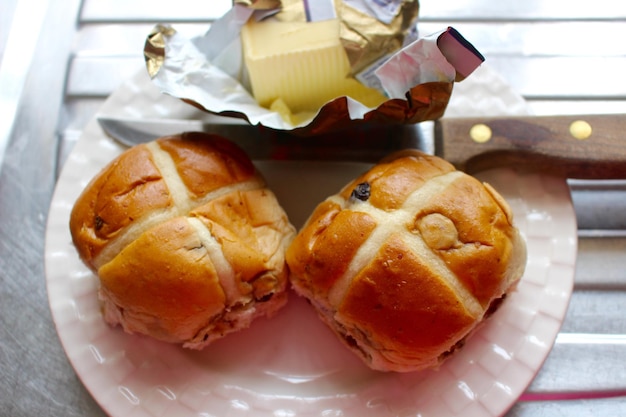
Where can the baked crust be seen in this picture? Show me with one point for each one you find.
(186, 239)
(404, 262)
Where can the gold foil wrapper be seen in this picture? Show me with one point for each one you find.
(260, 4)
(154, 48)
(426, 101)
(191, 77)
(367, 39)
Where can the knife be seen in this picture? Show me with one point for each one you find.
(582, 147)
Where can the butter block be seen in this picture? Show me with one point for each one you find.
(301, 65)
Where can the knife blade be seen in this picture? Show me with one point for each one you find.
(573, 146)
(362, 144)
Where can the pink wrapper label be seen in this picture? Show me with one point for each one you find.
(459, 52)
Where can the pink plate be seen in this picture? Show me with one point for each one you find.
(276, 369)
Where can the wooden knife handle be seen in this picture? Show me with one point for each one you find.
(585, 147)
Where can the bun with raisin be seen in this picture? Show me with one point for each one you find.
(407, 260)
(186, 239)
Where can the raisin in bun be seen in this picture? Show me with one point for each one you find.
(186, 239)
(405, 261)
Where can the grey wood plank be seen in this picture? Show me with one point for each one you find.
(158, 10)
(535, 10)
(533, 77)
(452, 10)
(577, 106)
(587, 196)
(596, 311)
(587, 365)
(588, 407)
(584, 38)
(601, 264)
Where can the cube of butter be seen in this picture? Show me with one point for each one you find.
(302, 64)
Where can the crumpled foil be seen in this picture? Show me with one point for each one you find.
(367, 38)
(209, 73)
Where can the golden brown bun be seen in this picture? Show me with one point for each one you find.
(186, 239)
(405, 261)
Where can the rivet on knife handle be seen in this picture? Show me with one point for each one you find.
(580, 129)
(588, 147)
